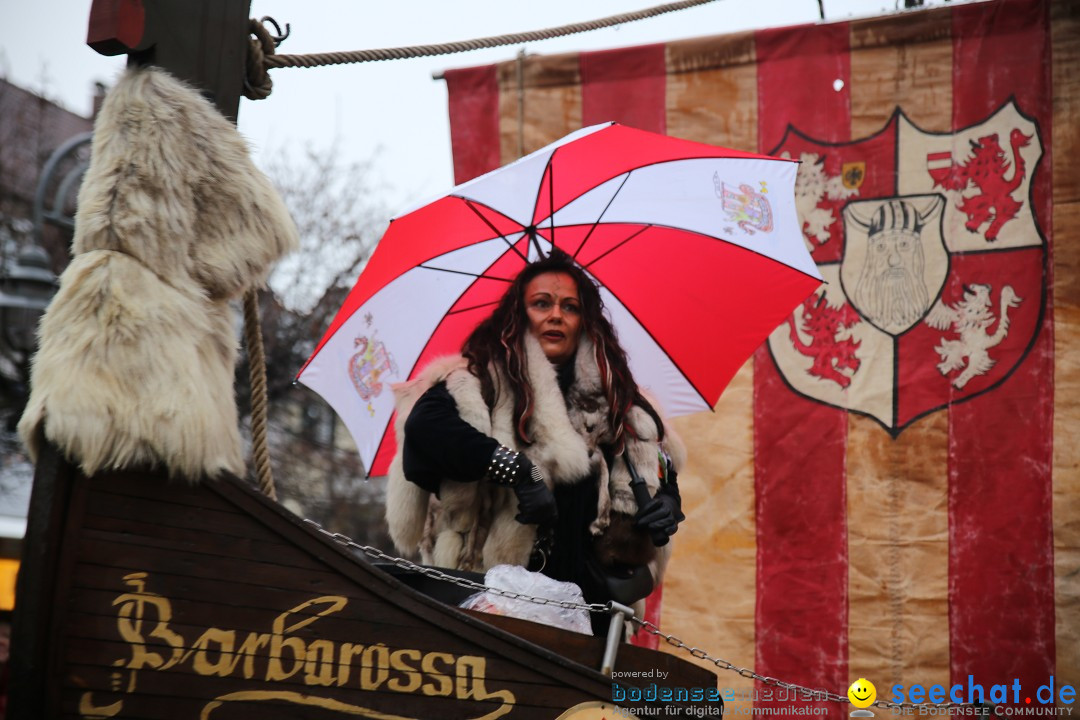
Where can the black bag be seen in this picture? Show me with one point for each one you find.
(626, 584)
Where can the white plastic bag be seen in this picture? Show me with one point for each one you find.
(517, 579)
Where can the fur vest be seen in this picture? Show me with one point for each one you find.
(471, 525)
(138, 347)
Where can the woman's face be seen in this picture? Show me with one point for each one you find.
(554, 309)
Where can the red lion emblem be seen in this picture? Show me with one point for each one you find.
(823, 324)
(985, 170)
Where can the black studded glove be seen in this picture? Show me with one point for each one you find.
(536, 502)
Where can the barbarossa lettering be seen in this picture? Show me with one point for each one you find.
(278, 655)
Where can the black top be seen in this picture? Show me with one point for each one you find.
(438, 444)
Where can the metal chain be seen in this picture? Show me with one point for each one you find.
(698, 653)
(401, 53)
(811, 693)
(460, 582)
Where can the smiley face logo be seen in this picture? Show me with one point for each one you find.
(862, 693)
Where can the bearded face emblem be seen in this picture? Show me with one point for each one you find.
(884, 270)
(892, 290)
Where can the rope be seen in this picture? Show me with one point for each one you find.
(260, 452)
(257, 82)
(262, 55)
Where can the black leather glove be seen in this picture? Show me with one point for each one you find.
(662, 515)
(536, 502)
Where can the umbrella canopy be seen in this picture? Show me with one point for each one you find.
(697, 250)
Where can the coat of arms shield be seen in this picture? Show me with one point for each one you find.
(934, 266)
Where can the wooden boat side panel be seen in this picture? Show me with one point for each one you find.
(209, 601)
(584, 649)
(324, 652)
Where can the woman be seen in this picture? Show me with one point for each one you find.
(523, 449)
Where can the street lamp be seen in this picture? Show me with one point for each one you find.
(27, 284)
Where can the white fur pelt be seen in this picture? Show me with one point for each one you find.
(471, 525)
(138, 348)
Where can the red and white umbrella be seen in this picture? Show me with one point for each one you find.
(697, 249)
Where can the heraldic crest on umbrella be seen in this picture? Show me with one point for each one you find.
(697, 250)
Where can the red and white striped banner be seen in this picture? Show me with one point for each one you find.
(890, 489)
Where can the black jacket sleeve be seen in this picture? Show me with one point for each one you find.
(439, 444)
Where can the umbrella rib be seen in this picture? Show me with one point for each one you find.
(652, 337)
(469, 204)
(549, 171)
(551, 199)
(478, 276)
(616, 247)
(705, 236)
(739, 246)
(603, 212)
(664, 350)
(427, 343)
(472, 307)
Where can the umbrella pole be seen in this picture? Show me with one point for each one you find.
(619, 614)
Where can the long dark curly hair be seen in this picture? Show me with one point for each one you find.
(499, 342)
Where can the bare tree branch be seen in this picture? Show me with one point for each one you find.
(340, 213)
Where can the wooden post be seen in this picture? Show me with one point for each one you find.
(35, 592)
(203, 42)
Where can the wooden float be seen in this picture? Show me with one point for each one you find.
(144, 598)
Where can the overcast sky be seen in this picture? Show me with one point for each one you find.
(394, 107)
